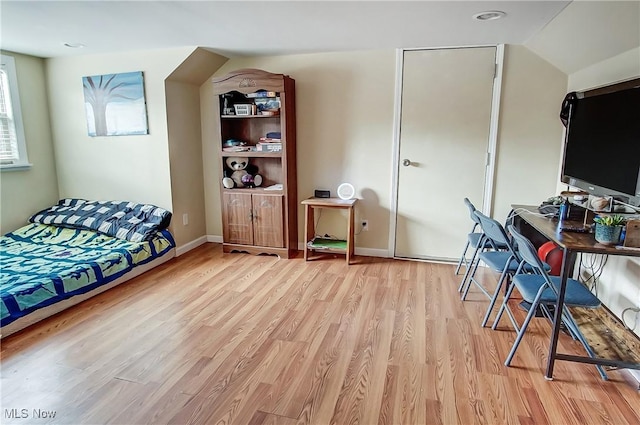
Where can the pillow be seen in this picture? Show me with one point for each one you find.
(120, 219)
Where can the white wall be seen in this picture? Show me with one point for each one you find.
(185, 158)
(621, 67)
(185, 146)
(530, 131)
(211, 170)
(345, 133)
(134, 168)
(619, 286)
(344, 111)
(25, 192)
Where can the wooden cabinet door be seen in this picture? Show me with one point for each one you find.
(237, 218)
(268, 228)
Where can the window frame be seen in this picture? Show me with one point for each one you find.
(8, 64)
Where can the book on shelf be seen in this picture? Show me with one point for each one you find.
(270, 140)
(269, 147)
(277, 186)
(326, 243)
(267, 103)
(261, 93)
(237, 149)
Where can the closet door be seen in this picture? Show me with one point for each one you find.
(444, 136)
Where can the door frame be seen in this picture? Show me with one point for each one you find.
(487, 203)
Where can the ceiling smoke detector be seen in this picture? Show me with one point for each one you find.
(489, 15)
(74, 45)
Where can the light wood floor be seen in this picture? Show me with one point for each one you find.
(238, 339)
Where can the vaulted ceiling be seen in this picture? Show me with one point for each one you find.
(571, 35)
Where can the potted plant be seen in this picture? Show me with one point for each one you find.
(608, 228)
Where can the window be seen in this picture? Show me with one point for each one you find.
(13, 151)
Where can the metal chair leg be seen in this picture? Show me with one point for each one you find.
(503, 276)
(470, 265)
(469, 279)
(463, 258)
(473, 279)
(523, 328)
(503, 306)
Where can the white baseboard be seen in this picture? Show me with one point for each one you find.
(632, 376)
(373, 252)
(367, 252)
(183, 249)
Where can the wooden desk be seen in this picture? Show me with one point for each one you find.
(309, 224)
(571, 244)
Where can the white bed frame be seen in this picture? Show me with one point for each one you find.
(52, 309)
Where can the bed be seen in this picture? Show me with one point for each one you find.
(74, 250)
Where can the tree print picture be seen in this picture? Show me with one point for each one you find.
(115, 104)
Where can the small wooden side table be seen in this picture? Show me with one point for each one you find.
(309, 223)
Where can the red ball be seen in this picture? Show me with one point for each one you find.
(551, 254)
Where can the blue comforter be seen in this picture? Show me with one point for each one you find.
(41, 264)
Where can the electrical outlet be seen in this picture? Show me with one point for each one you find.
(365, 225)
(185, 219)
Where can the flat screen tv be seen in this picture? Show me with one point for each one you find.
(602, 141)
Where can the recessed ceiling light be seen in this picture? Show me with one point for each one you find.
(74, 45)
(489, 15)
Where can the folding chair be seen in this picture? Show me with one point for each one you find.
(540, 289)
(505, 262)
(473, 238)
(477, 241)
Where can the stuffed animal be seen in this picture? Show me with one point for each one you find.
(240, 173)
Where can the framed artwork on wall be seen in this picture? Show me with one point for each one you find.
(115, 104)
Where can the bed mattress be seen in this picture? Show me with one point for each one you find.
(41, 264)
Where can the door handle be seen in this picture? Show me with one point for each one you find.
(406, 162)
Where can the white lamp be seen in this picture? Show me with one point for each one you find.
(346, 191)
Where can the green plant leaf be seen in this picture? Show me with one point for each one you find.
(610, 220)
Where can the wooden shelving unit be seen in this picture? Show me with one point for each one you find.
(252, 154)
(255, 220)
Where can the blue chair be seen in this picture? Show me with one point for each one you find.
(477, 241)
(473, 238)
(540, 289)
(506, 262)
